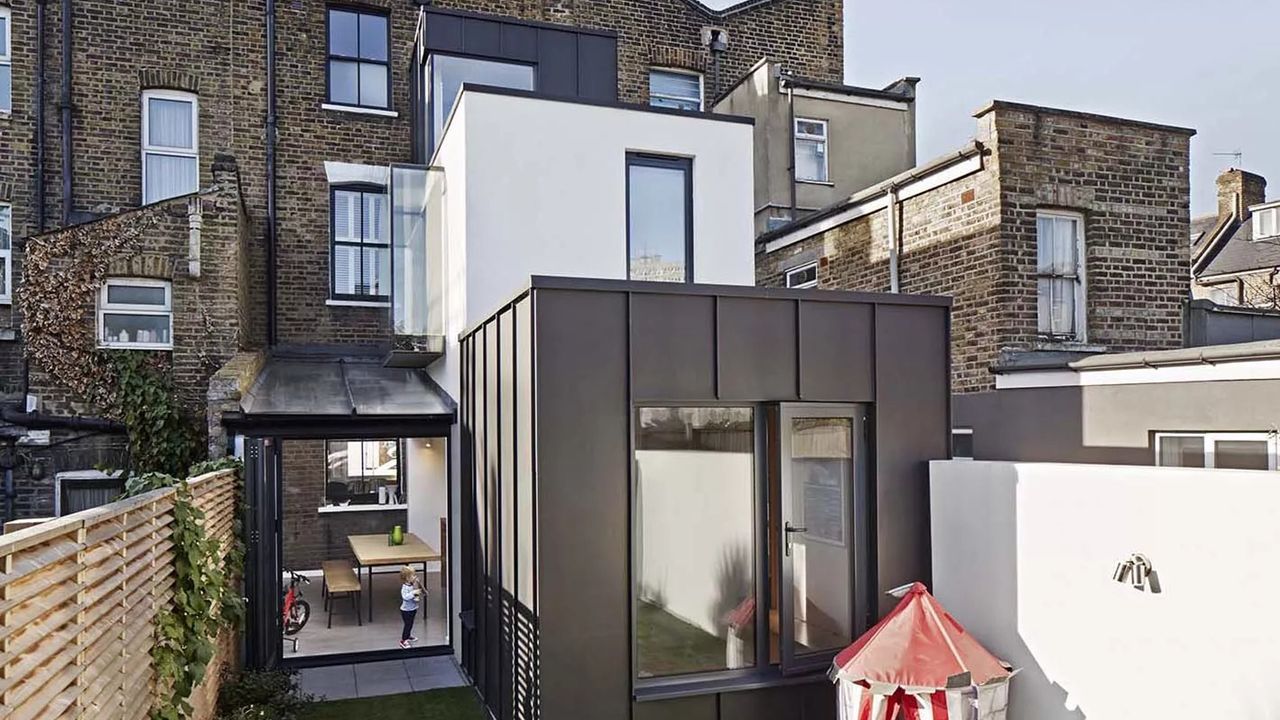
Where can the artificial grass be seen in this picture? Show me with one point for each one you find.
(670, 646)
(448, 704)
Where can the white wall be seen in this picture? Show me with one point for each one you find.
(426, 474)
(541, 189)
(1023, 555)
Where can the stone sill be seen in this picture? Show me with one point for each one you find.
(362, 508)
(357, 303)
(824, 183)
(357, 110)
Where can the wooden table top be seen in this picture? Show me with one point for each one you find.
(374, 550)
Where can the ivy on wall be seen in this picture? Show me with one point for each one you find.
(206, 595)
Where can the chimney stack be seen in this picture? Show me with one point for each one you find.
(1237, 190)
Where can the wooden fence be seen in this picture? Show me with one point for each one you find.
(79, 597)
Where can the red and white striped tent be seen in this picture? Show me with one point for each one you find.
(918, 663)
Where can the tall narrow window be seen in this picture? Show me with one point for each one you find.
(675, 89)
(1060, 280)
(170, 144)
(6, 60)
(359, 62)
(660, 218)
(6, 253)
(695, 540)
(361, 244)
(136, 313)
(447, 75)
(811, 150)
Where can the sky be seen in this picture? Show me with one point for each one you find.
(1211, 65)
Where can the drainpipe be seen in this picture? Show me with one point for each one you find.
(791, 120)
(40, 199)
(195, 222)
(891, 196)
(271, 173)
(66, 112)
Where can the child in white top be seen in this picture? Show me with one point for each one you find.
(411, 594)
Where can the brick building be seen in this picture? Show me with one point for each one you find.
(1058, 233)
(1235, 253)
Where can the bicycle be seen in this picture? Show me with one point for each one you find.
(296, 610)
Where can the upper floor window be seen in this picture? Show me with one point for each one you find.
(448, 73)
(1266, 223)
(675, 89)
(136, 313)
(811, 150)
(170, 144)
(359, 62)
(1060, 281)
(361, 244)
(6, 60)
(659, 218)
(6, 253)
(804, 276)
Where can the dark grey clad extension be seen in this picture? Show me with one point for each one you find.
(556, 388)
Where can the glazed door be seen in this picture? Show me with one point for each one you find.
(262, 559)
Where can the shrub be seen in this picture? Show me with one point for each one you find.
(261, 694)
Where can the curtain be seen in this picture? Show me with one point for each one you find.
(169, 176)
(169, 123)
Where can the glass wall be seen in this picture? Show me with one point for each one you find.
(695, 540)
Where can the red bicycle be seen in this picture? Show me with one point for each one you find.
(296, 610)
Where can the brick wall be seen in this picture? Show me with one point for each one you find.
(975, 238)
(310, 537)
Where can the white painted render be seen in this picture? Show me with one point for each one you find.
(538, 187)
(1023, 555)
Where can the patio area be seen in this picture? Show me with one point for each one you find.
(377, 679)
(383, 633)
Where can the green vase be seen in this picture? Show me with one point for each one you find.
(397, 535)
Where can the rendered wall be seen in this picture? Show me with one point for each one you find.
(1023, 555)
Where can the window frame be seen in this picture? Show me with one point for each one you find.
(362, 188)
(702, 88)
(769, 422)
(401, 488)
(433, 104)
(961, 431)
(1211, 440)
(105, 308)
(669, 162)
(148, 149)
(6, 253)
(1266, 212)
(330, 57)
(66, 481)
(6, 58)
(1080, 311)
(799, 269)
(825, 139)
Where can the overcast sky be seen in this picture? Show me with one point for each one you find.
(1212, 65)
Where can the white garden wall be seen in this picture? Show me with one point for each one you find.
(1023, 556)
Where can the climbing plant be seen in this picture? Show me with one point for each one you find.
(205, 594)
(161, 438)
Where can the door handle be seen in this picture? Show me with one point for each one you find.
(788, 529)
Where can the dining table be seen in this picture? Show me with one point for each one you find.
(372, 551)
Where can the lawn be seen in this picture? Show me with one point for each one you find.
(450, 704)
(668, 645)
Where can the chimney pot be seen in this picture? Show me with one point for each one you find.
(1237, 190)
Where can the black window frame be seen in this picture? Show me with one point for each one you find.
(668, 162)
(361, 188)
(330, 57)
(400, 486)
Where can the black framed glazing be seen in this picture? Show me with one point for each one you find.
(665, 162)
(363, 276)
(363, 56)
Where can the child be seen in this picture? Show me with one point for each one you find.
(411, 593)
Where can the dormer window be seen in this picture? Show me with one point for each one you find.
(1266, 223)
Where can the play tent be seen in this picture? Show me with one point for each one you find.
(918, 663)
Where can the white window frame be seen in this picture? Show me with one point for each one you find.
(192, 152)
(6, 58)
(6, 297)
(702, 86)
(1260, 218)
(960, 431)
(824, 138)
(1211, 440)
(799, 269)
(105, 307)
(1082, 285)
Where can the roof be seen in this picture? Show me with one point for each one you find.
(1235, 251)
(905, 94)
(1092, 117)
(1200, 229)
(919, 646)
(320, 386)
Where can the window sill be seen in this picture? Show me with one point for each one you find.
(357, 110)
(671, 689)
(362, 508)
(135, 346)
(358, 303)
(824, 183)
